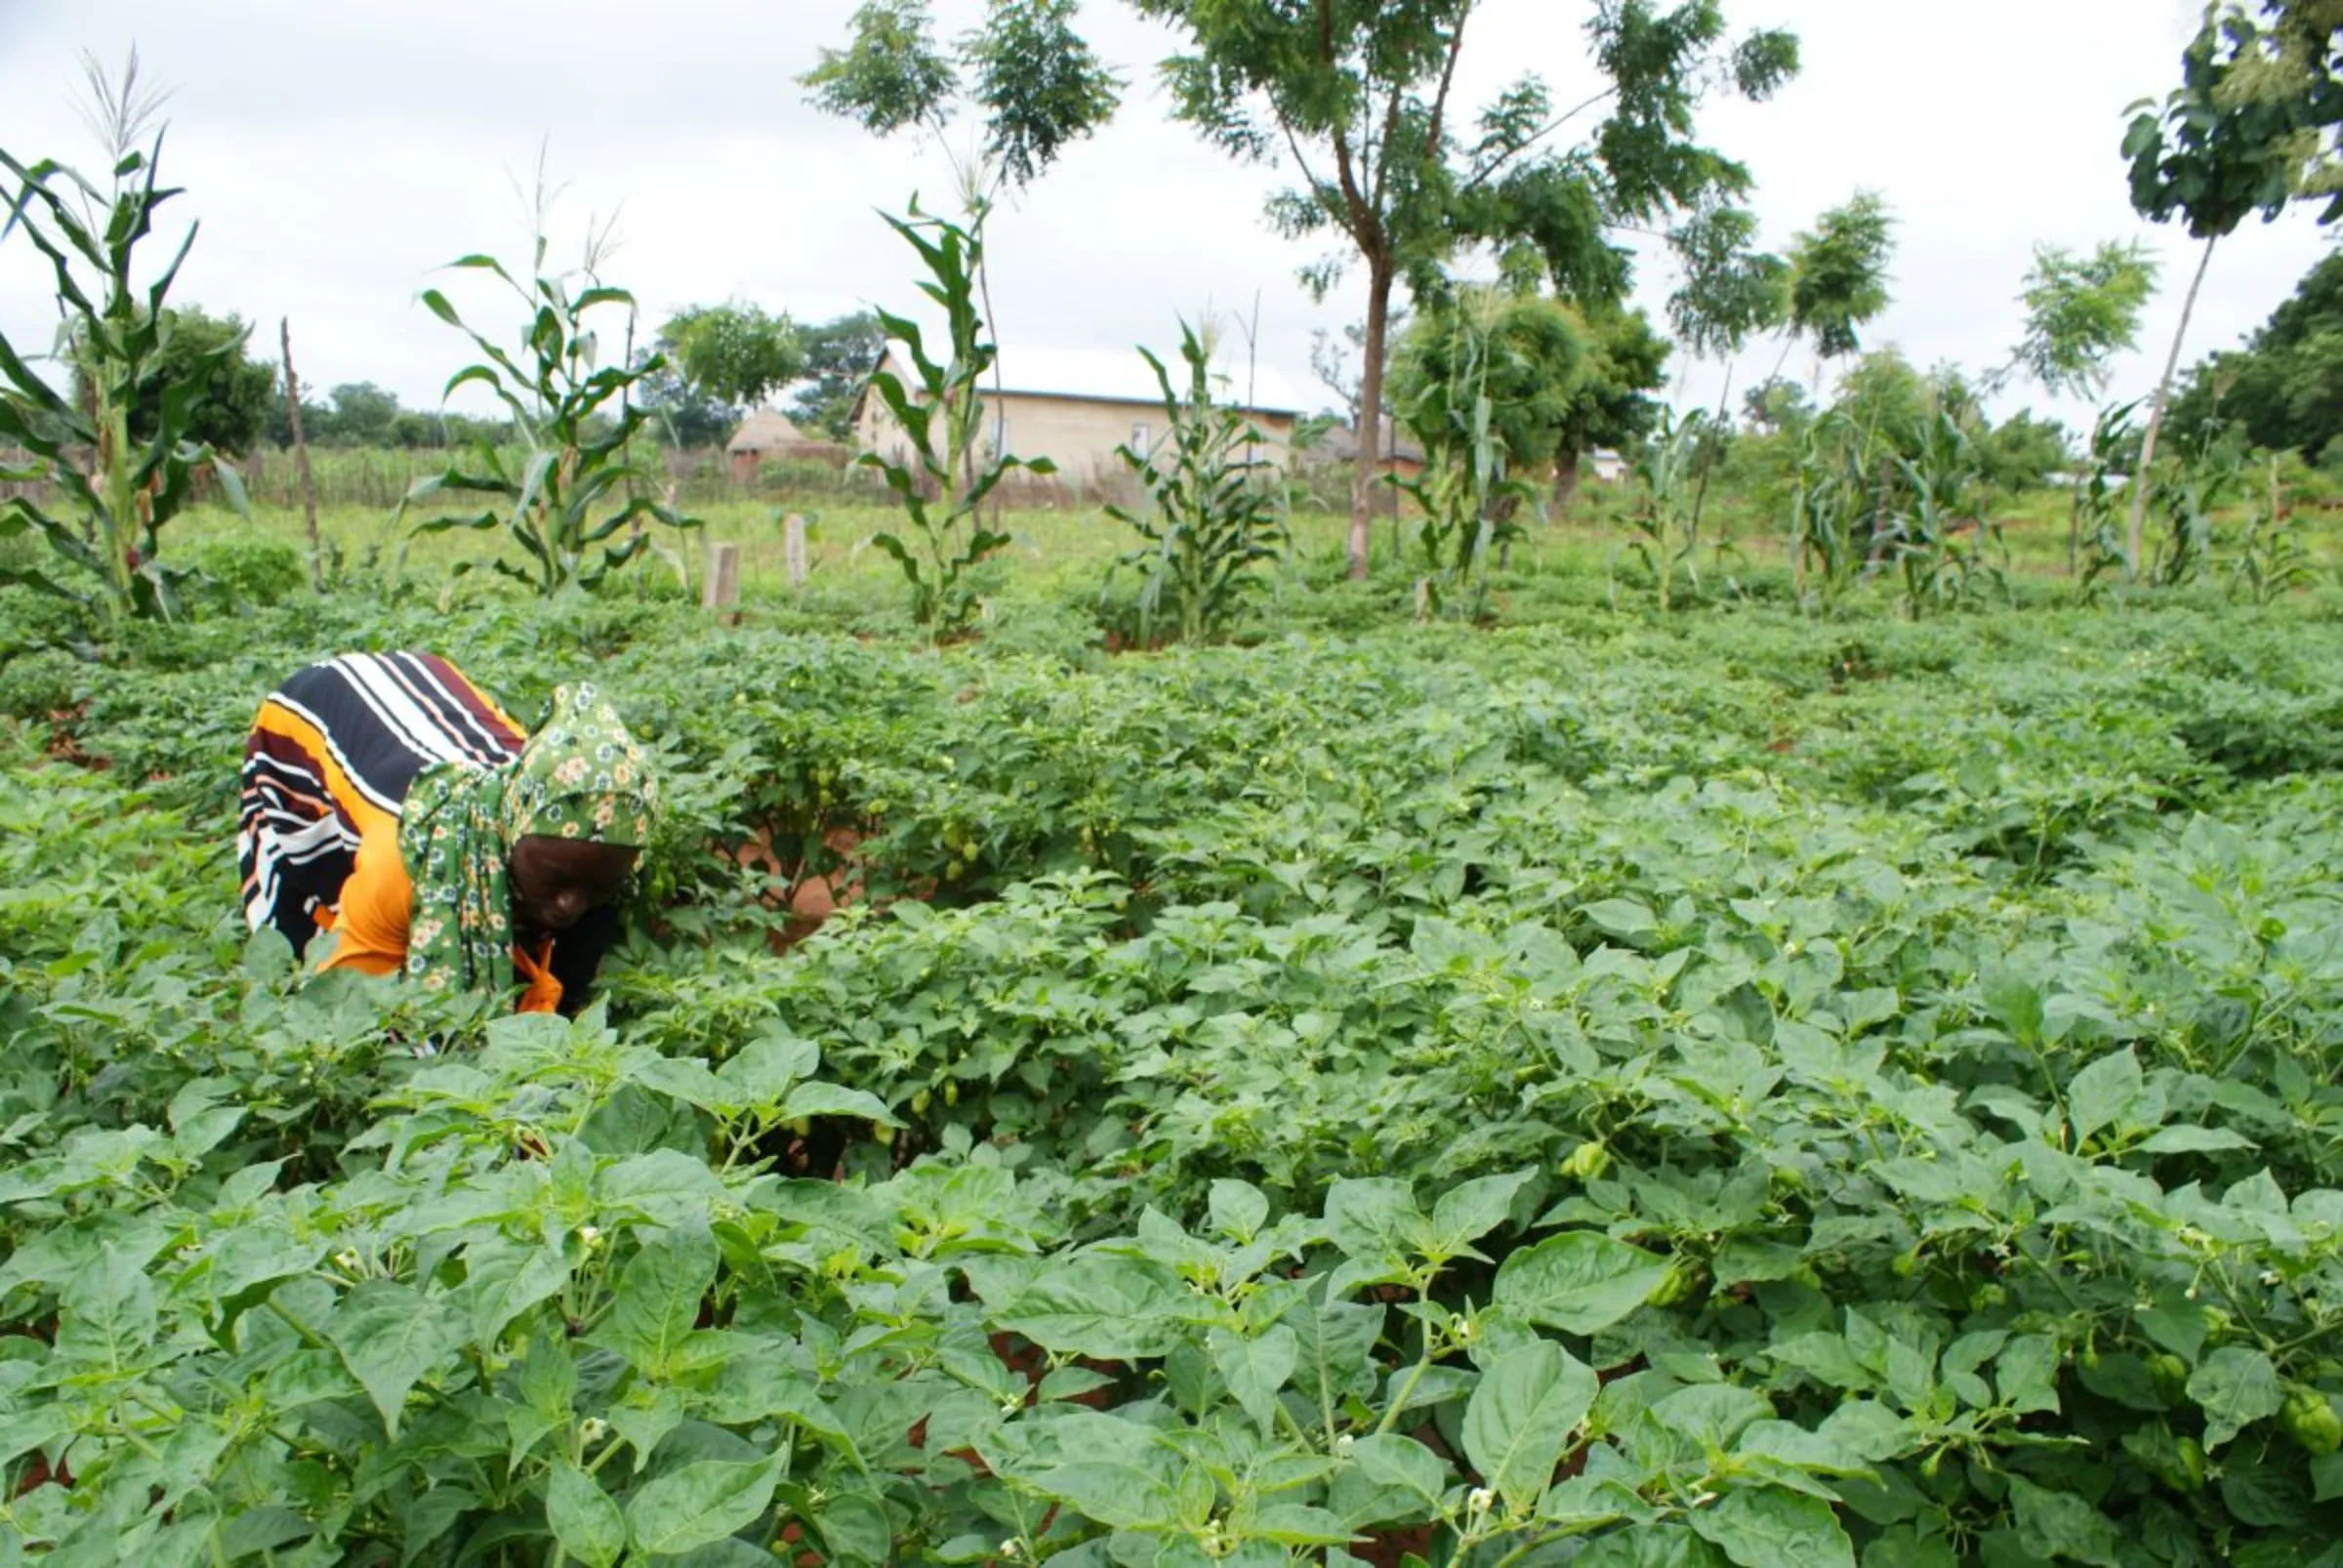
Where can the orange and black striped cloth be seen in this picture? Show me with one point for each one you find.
(330, 757)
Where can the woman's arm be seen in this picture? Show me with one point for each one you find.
(370, 934)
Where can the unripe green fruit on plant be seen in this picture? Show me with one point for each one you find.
(2189, 1476)
(2311, 1419)
(1684, 1278)
(2170, 1374)
(1586, 1162)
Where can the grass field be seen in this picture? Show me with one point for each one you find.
(1056, 550)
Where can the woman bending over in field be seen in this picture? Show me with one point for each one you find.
(389, 803)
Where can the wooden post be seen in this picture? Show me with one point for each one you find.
(720, 592)
(301, 458)
(793, 549)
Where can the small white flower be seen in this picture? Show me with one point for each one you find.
(2269, 1276)
(594, 1429)
(1011, 1547)
(346, 1259)
(1343, 1445)
(589, 1234)
(1482, 1500)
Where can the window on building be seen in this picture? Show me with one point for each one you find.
(1138, 442)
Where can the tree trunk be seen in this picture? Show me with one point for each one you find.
(1566, 478)
(2155, 421)
(1370, 422)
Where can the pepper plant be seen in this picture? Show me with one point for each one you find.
(117, 490)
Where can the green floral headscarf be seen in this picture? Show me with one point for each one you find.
(580, 776)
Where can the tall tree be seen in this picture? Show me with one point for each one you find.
(362, 414)
(733, 353)
(2225, 145)
(839, 356)
(1838, 279)
(1357, 93)
(2081, 312)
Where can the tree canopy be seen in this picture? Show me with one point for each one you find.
(208, 357)
(1838, 279)
(1035, 80)
(733, 353)
(2285, 387)
(1356, 98)
(2081, 312)
(839, 356)
(2254, 123)
(233, 389)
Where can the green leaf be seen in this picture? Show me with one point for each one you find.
(505, 1279)
(1624, 918)
(2060, 1524)
(106, 1316)
(1464, 1213)
(2236, 1388)
(659, 1297)
(1095, 1304)
(1659, 1547)
(1389, 1477)
(855, 1528)
(2026, 1374)
(389, 1335)
(2102, 1092)
(1237, 1209)
(1580, 1282)
(1519, 1421)
(1372, 1218)
(834, 1099)
(2195, 1140)
(700, 1504)
(1775, 1528)
(2326, 1478)
(583, 1518)
(1257, 1368)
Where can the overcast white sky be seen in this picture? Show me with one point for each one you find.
(338, 151)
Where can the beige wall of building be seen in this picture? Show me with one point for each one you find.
(1080, 435)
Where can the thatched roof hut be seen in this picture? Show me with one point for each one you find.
(768, 433)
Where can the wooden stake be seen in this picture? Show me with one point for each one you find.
(301, 458)
(793, 549)
(720, 592)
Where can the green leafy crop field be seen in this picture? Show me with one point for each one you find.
(1610, 1091)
